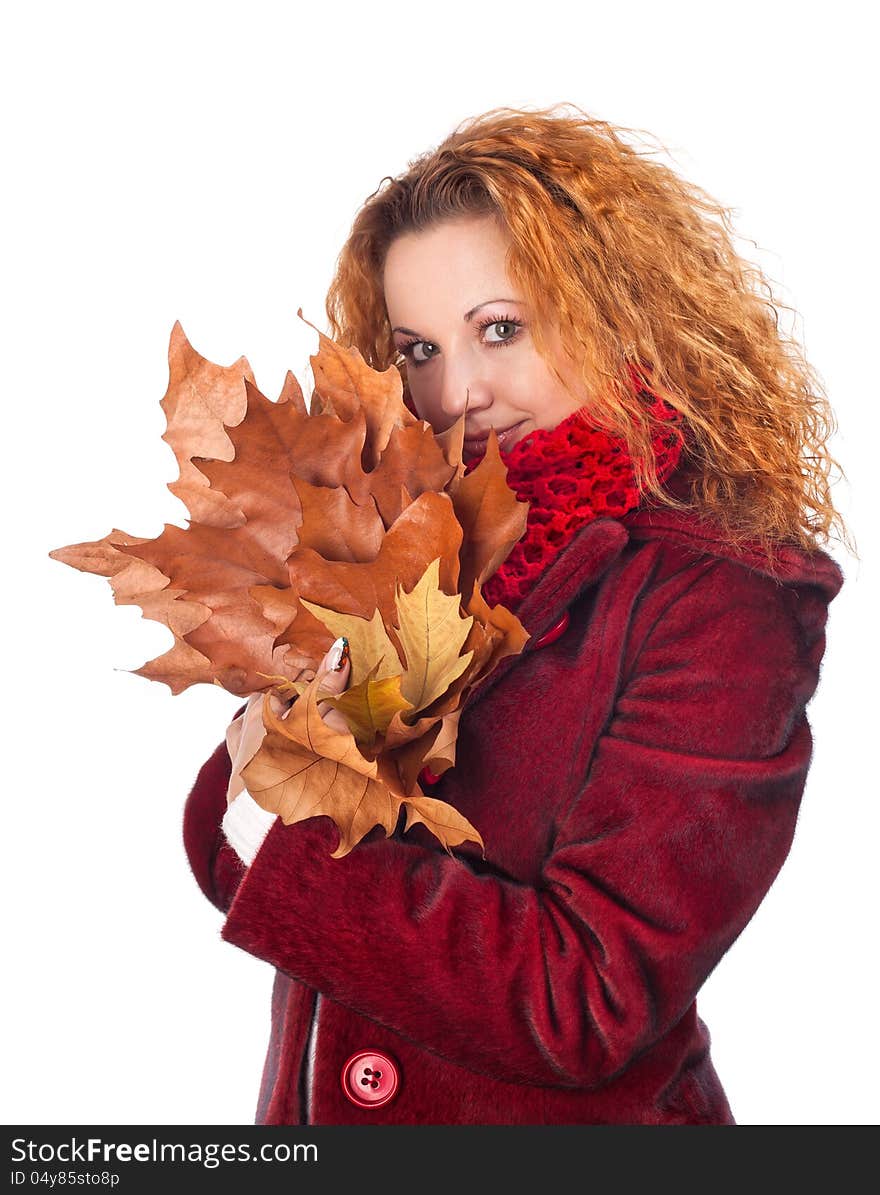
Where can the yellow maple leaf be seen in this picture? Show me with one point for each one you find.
(368, 639)
(369, 707)
(432, 632)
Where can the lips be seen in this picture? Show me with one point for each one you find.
(474, 445)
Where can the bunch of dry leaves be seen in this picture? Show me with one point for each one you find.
(351, 517)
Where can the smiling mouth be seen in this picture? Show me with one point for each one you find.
(473, 446)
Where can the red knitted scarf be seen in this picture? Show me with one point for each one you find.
(570, 475)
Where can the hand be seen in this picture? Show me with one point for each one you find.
(246, 732)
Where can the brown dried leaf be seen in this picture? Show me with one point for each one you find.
(428, 524)
(442, 820)
(451, 442)
(508, 634)
(305, 726)
(277, 444)
(216, 566)
(137, 583)
(400, 732)
(492, 518)
(182, 666)
(442, 755)
(286, 689)
(334, 526)
(347, 385)
(291, 392)
(412, 463)
(434, 747)
(201, 401)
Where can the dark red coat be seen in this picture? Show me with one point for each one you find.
(636, 783)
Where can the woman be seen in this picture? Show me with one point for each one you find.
(636, 771)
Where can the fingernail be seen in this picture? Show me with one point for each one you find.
(338, 654)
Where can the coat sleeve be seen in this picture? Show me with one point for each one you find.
(215, 864)
(673, 835)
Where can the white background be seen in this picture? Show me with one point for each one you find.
(203, 162)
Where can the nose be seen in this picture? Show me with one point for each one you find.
(465, 386)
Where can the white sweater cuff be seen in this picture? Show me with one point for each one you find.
(246, 824)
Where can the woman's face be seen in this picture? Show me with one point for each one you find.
(464, 331)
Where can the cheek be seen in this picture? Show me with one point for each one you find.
(545, 395)
(535, 385)
(421, 401)
(409, 404)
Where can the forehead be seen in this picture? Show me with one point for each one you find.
(445, 269)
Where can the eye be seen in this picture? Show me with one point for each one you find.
(509, 329)
(408, 351)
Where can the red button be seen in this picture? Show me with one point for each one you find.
(426, 776)
(555, 631)
(369, 1079)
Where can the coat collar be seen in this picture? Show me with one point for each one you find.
(793, 565)
(594, 548)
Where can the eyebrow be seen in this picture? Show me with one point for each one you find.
(467, 315)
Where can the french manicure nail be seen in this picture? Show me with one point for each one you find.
(338, 654)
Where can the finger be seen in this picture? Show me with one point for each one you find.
(335, 679)
(254, 713)
(243, 738)
(335, 721)
(233, 737)
(280, 706)
(253, 732)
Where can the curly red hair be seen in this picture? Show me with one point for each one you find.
(637, 269)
